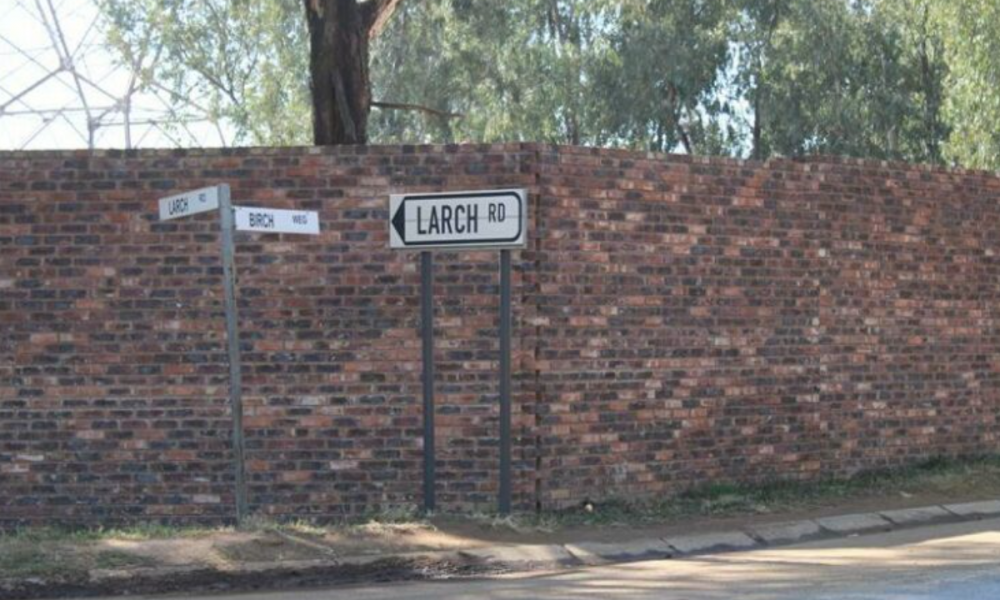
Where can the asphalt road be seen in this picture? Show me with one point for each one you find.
(950, 562)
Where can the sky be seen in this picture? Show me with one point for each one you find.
(57, 75)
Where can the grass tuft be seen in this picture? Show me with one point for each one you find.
(137, 532)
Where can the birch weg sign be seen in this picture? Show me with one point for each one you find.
(276, 220)
(481, 219)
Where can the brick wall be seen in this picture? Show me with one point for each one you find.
(705, 320)
(677, 321)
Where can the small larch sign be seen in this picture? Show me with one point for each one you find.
(487, 219)
(272, 220)
(189, 203)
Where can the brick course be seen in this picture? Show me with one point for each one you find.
(677, 321)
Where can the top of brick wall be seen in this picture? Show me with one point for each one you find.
(819, 162)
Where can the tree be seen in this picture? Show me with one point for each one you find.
(662, 87)
(637, 73)
(339, 36)
(877, 78)
(863, 78)
(262, 64)
(973, 102)
(517, 70)
(412, 62)
(901, 62)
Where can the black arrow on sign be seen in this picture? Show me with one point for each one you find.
(399, 220)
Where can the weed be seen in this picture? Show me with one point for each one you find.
(32, 560)
(396, 515)
(304, 527)
(518, 523)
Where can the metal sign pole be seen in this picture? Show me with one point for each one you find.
(505, 411)
(232, 219)
(494, 219)
(233, 346)
(427, 322)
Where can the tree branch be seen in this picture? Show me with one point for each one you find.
(685, 138)
(376, 14)
(673, 97)
(417, 107)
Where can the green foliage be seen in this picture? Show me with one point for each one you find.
(600, 72)
(659, 87)
(826, 76)
(973, 102)
(516, 70)
(914, 80)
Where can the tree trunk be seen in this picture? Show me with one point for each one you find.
(760, 85)
(932, 102)
(339, 34)
(338, 69)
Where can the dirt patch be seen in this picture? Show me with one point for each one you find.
(204, 550)
(213, 581)
(271, 547)
(376, 539)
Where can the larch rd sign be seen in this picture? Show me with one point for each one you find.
(189, 203)
(481, 219)
(273, 220)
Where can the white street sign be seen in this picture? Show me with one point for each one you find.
(272, 220)
(189, 203)
(487, 219)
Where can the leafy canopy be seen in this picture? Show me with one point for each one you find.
(915, 80)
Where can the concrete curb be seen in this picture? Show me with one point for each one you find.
(598, 553)
(845, 525)
(779, 534)
(792, 532)
(915, 517)
(711, 543)
(975, 510)
(520, 556)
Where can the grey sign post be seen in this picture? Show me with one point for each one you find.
(496, 219)
(233, 348)
(232, 219)
(505, 409)
(427, 325)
